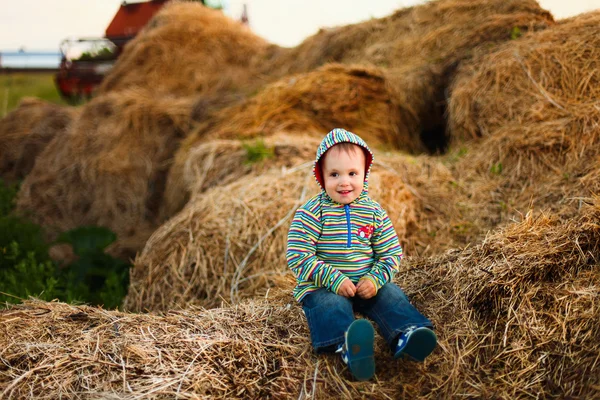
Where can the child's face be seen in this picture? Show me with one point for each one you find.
(344, 174)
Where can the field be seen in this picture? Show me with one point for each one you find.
(16, 85)
(483, 119)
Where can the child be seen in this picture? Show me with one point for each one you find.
(344, 253)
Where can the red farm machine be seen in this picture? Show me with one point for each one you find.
(85, 61)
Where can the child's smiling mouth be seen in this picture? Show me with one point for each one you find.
(343, 192)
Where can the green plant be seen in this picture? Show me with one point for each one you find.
(8, 193)
(15, 229)
(257, 151)
(496, 169)
(457, 155)
(515, 33)
(95, 277)
(27, 270)
(26, 276)
(104, 53)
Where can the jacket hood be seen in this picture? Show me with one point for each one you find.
(338, 136)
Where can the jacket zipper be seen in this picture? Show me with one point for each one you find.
(347, 209)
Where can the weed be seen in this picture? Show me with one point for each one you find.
(257, 151)
(496, 169)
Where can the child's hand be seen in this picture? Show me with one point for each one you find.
(365, 289)
(347, 288)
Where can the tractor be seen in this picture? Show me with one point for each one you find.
(85, 61)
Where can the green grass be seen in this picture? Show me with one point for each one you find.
(15, 86)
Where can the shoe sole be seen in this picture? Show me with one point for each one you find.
(359, 342)
(420, 344)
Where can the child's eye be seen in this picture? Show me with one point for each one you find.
(334, 174)
(353, 173)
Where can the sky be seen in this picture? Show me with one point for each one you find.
(41, 24)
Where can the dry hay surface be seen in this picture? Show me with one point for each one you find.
(549, 75)
(401, 101)
(251, 351)
(188, 49)
(225, 243)
(438, 32)
(419, 48)
(25, 132)
(109, 168)
(531, 110)
(531, 293)
(517, 316)
(445, 216)
(355, 97)
(218, 162)
(229, 242)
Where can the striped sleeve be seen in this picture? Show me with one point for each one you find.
(387, 249)
(301, 253)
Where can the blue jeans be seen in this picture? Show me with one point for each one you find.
(329, 315)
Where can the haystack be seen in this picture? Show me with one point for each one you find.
(420, 48)
(355, 97)
(221, 162)
(532, 290)
(546, 76)
(109, 168)
(305, 105)
(517, 316)
(531, 106)
(25, 132)
(188, 49)
(441, 32)
(229, 242)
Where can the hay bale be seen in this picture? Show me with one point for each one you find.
(224, 242)
(438, 32)
(25, 132)
(545, 76)
(517, 316)
(229, 242)
(532, 289)
(358, 98)
(188, 49)
(420, 48)
(221, 162)
(109, 168)
(530, 108)
(445, 219)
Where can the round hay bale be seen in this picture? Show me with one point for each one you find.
(358, 98)
(448, 215)
(224, 243)
(546, 76)
(109, 168)
(220, 162)
(531, 105)
(227, 243)
(420, 47)
(25, 132)
(437, 32)
(187, 49)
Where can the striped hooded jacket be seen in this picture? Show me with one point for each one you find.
(329, 241)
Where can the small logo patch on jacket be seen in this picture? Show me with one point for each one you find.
(366, 231)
